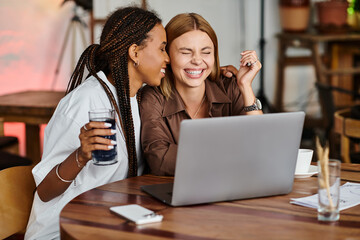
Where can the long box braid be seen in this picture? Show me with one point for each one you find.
(124, 27)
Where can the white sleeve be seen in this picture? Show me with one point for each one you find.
(61, 138)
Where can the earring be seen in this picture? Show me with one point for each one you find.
(136, 64)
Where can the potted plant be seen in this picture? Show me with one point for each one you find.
(294, 15)
(356, 7)
(332, 14)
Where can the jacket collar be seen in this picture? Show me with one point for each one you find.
(214, 94)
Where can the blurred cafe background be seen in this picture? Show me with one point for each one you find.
(310, 50)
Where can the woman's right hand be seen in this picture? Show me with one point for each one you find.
(91, 139)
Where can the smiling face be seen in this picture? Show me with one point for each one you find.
(152, 58)
(192, 59)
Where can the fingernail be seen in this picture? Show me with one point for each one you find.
(113, 142)
(107, 124)
(110, 147)
(113, 131)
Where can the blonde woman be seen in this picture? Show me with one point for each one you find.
(192, 88)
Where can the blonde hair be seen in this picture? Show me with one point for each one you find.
(177, 26)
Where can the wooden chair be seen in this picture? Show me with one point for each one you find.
(16, 195)
(325, 126)
(9, 151)
(7, 143)
(8, 160)
(347, 128)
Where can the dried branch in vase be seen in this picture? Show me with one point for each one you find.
(323, 158)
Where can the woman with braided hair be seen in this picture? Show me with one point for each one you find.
(131, 52)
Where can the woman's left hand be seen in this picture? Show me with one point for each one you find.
(249, 67)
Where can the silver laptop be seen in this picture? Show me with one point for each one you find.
(229, 158)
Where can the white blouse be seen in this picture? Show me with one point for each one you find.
(61, 139)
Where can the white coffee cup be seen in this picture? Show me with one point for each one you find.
(303, 160)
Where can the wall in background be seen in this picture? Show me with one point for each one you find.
(237, 24)
(32, 33)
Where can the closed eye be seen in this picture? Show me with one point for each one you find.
(162, 46)
(185, 50)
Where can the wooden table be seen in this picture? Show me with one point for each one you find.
(88, 216)
(32, 108)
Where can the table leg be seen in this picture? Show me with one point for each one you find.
(33, 142)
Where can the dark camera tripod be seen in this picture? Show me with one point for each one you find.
(261, 93)
(75, 24)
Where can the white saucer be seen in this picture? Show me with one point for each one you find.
(312, 170)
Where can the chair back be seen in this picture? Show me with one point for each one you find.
(348, 128)
(16, 195)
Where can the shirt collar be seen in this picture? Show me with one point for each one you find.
(214, 94)
(103, 77)
(174, 104)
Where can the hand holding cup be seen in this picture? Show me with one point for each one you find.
(98, 138)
